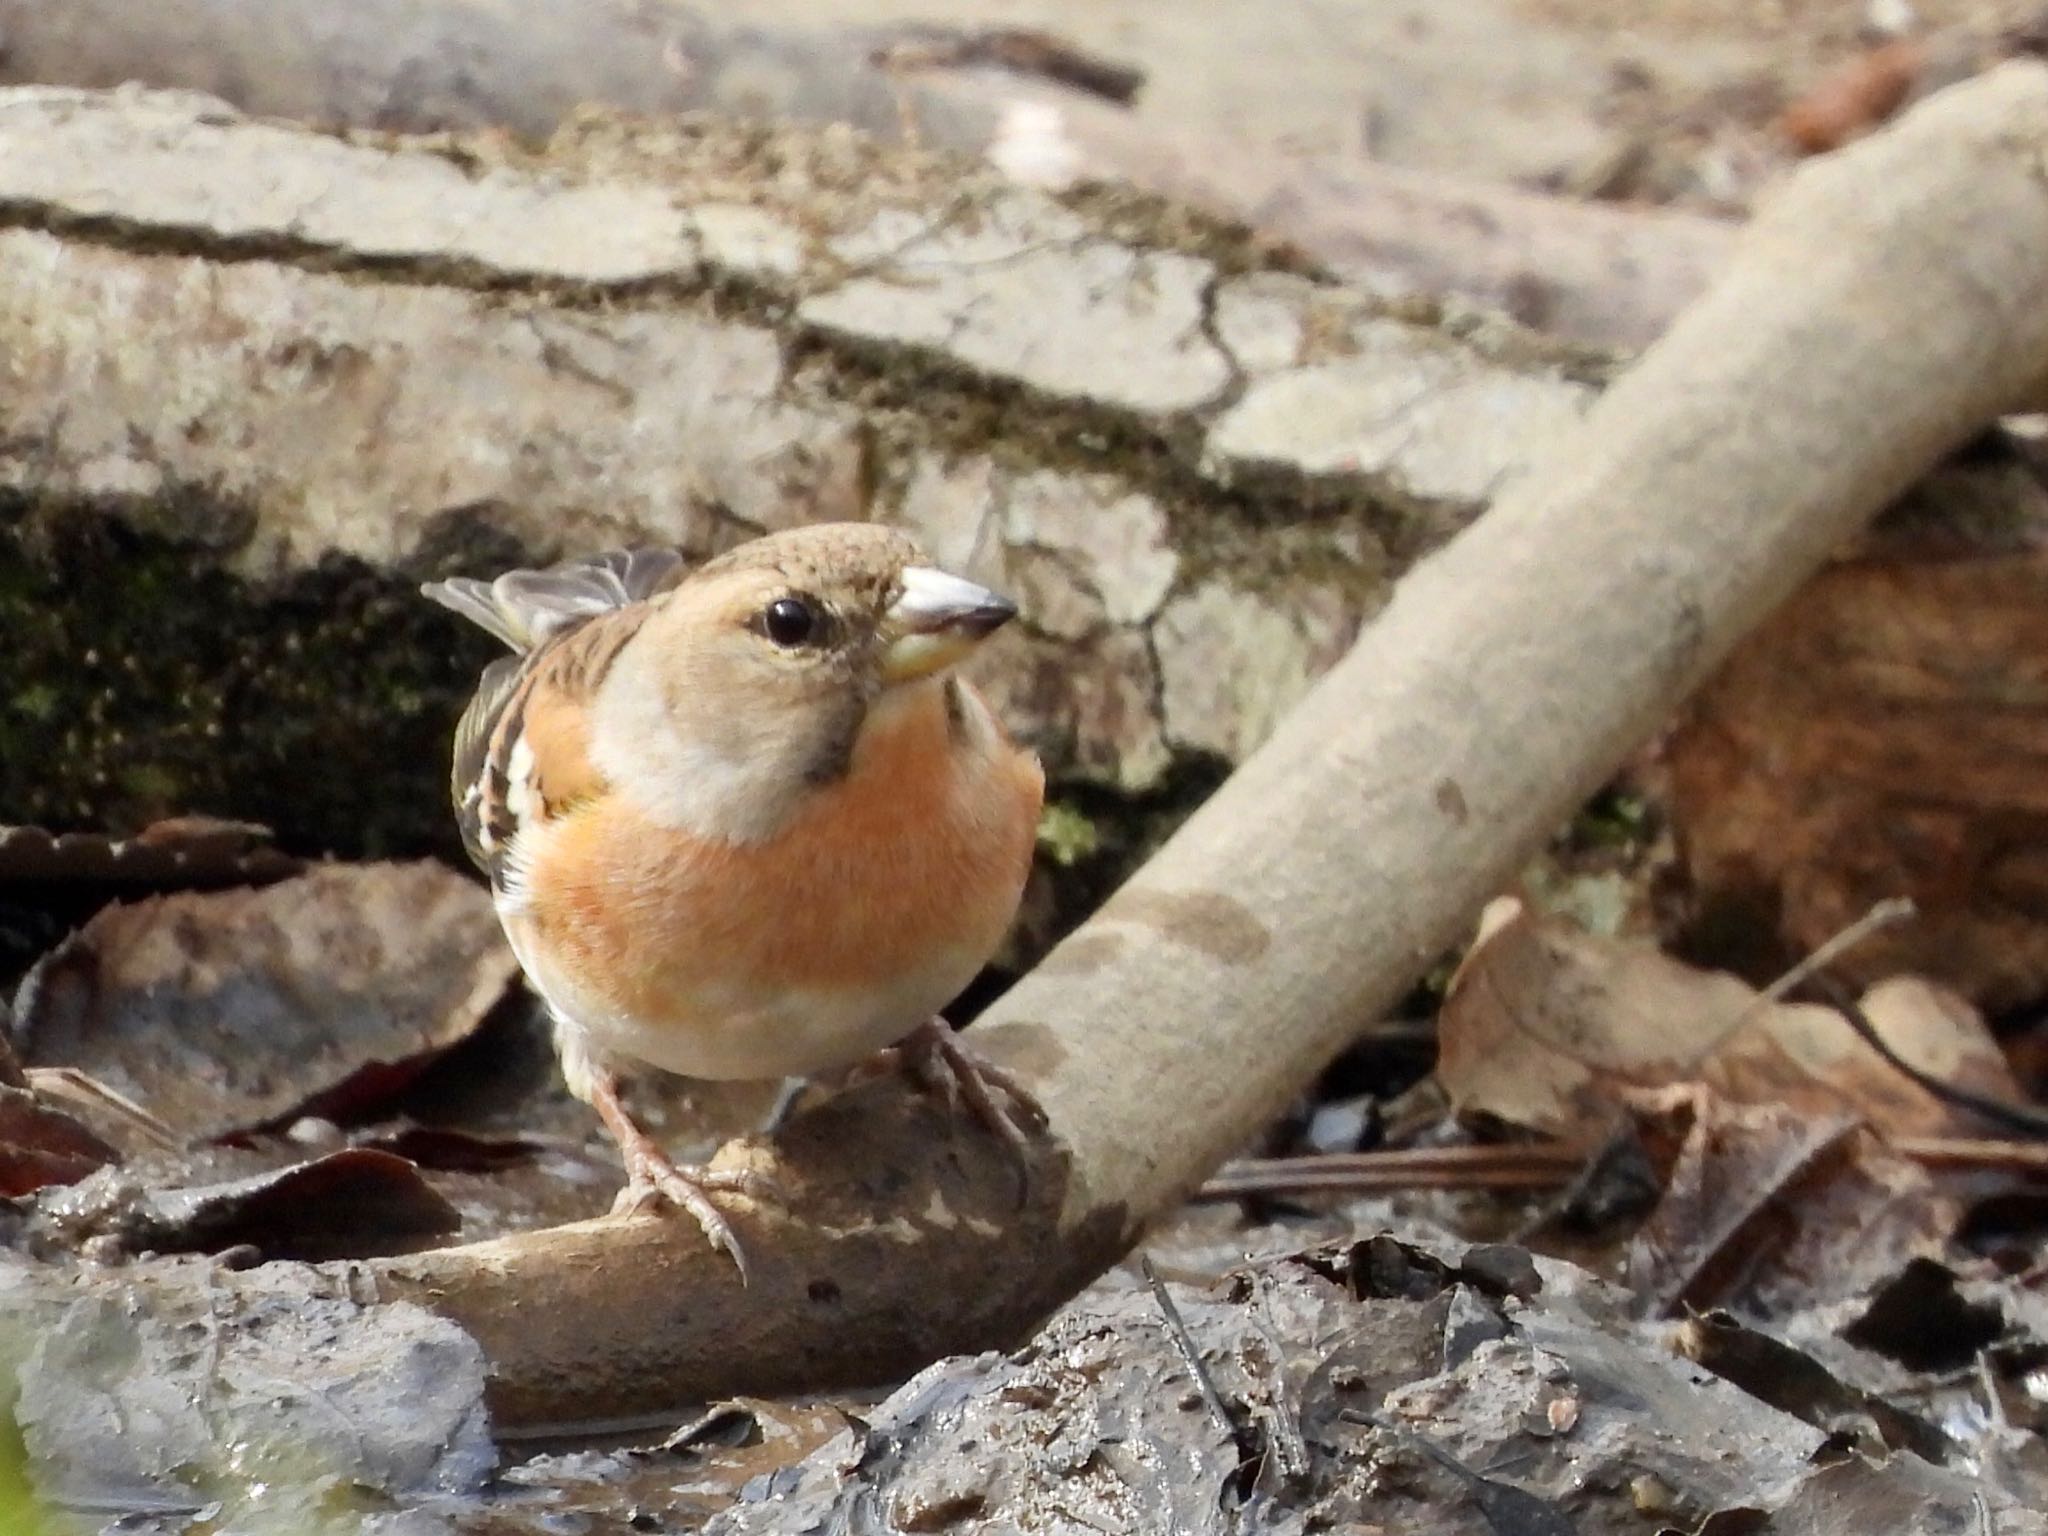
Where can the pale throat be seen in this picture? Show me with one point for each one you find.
(733, 784)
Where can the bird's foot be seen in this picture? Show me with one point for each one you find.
(942, 1064)
(652, 1177)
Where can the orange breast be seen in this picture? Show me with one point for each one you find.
(920, 850)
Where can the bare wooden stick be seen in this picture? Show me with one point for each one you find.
(1508, 1165)
(1539, 1165)
(1967, 1155)
(1889, 302)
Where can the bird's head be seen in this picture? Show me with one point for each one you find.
(755, 677)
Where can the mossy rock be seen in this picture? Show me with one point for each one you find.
(141, 680)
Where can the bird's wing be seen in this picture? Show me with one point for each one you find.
(522, 749)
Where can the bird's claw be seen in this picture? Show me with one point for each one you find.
(652, 1176)
(940, 1063)
(652, 1179)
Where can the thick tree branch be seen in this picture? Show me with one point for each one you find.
(421, 66)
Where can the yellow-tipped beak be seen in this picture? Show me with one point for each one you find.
(938, 620)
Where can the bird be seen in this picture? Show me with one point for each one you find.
(746, 821)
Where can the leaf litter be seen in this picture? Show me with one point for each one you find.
(1788, 1193)
(224, 1013)
(331, 1052)
(1544, 1025)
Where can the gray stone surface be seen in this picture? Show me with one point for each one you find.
(1406, 410)
(281, 1410)
(288, 346)
(159, 160)
(1028, 296)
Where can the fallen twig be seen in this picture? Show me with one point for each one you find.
(1964, 1154)
(1022, 50)
(1184, 1346)
(1536, 1165)
(1510, 1165)
(1883, 914)
(427, 65)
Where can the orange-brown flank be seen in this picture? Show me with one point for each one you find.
(917, 851)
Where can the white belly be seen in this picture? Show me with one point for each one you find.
(791, 1034)
(720, 1033)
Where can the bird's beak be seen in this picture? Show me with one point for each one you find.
(938, 620)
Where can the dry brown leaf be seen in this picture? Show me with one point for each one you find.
(1545, 1026)
(1856, 97)
(354, 1203)
(182, 851)
(1926, 1024)
(1883, 736)
(41, 1144)
(1774, 1207)
(243, 1009)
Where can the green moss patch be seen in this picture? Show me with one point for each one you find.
(139, 680)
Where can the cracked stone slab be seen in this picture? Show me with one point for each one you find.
(1024, 293)
(281, 347)
(1120, 546)
(1233, 661)
(747, 241)
(1406, 409)
(293, 394)
(179, 161)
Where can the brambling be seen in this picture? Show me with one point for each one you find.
(745, 821)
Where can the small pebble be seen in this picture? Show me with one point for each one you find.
(1340, 1125)
(1652, 1495)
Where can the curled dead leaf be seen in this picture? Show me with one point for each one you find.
(1548, 1028)
(355, 1203)
(230, 1011)
(1774, 1207)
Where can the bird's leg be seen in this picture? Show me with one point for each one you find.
(651, 1175)
(786, 1097)
(942, 1063)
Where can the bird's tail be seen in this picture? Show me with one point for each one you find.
(522, 608)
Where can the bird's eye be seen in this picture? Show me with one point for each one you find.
(789, 621)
